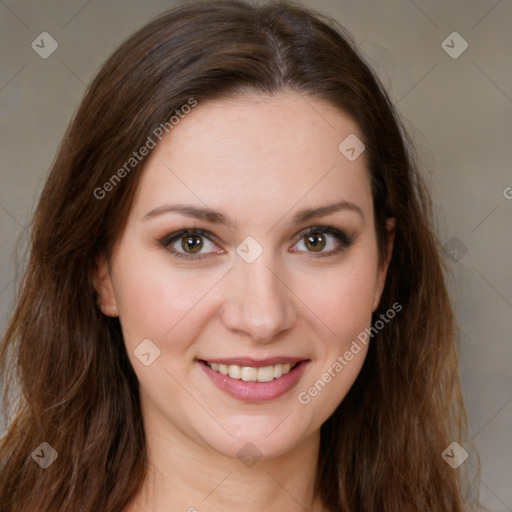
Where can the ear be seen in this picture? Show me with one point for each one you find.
(383, 267)
(102, 282)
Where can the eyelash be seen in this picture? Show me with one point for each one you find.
(343, 239)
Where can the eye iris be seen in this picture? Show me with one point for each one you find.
(191, 243)
(315, 241)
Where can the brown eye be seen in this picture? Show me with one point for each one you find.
(320, 241)
(191, 244)
(315, 241)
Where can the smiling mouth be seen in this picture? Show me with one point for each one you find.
(251, 373)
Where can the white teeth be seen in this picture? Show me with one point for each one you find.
(235, 372)
(249, 374)
(252, 374)
(278, 371)
(265, 374)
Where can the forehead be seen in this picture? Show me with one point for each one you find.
(256, 156)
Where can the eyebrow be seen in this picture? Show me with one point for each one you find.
(215, 217)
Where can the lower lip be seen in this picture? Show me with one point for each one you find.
(256, 391)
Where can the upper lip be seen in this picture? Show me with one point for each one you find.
(255, 363)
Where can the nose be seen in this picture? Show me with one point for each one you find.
(258, 302)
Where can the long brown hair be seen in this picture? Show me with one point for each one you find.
(67, 378)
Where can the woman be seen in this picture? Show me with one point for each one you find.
(235, 297)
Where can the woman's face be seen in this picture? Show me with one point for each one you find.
(282, 269)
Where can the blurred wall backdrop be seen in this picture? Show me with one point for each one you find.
(447, 67)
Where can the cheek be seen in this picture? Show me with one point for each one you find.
(159, 301)
(169, 305)
(342, 298)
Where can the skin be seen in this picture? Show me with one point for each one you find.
(258, 160)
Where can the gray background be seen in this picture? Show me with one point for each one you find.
(458, 111)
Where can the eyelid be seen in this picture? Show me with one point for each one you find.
(343, 239)
(167, 240)
(175, 235)
(331, 230)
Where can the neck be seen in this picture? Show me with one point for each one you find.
(192, 477)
